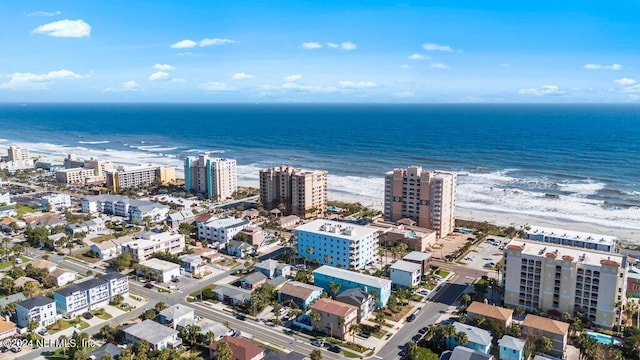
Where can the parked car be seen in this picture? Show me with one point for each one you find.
(365, 334)
(87, 315)
(317, 342)
(335, 349)
(489, 264)
(411, 317)
(43, 332)
(148, 285)
(416, 337)
(423, 331)
(235, 333)
(241, 317)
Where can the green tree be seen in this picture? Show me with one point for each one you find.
(160, 306)
(466, 299)
(412, 349)
(32, 325)
(30, 289)
(379, 320)
(186, 229)
(316, 354)
(543, 344)
(223, 351)
(117, 300)
(461, 338)
(309, 252)
(334, 287)
(315, 317)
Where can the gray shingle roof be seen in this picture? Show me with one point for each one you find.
(150, 331)
(463, 353)
(511, 342)
(474, 334)
(35, 302)
(254, 278)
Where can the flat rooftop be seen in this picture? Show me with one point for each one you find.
(572, 235)
(407, 266)
(352, 276)
(583, 256)
(337, 229)
(227, 222)
(160, 265)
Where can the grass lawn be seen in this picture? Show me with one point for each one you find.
(102, 314)
(379, 334)
(443, 273)
(197, 293)
(58, 354)
(22, 209)
(345, 344)
(65, 324)
(350, 354)
(83, 255)
(9, 263)
(102, 238)
(399, 315)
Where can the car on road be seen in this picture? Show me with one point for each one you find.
(43, 332)
(335, 349)
(416, 337)
(241, 317)
(411, 317)
(235, 333)
(490, 265)
(149, 285)
(87, 315)
(423, 331)
(317, 342)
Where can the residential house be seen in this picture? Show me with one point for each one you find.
(63, 277)
(271, 268)
(95, 225)
(76, 228)
(250, 214)
(241, 348)
(253, 280)
(556, 331)
(7, 211)
(176, 316)
(158, 336)
(298, 295)
(108, 350)
(287, 222)
(365, 303)
(40, 309)
(478, 339)
(502, 316)
(118, 284)
(464, 353)
(56, 202)
(277, 282)
(72, 300)
(184, 216)
(44, 264)
(146, 243)
(159, 270)
(255, 235)
(347, 279)
(207, 254)
(15, 298)
(22, 280)
(511, 348)
(336, 318)
(218, 330)
(47, 221)
(422, 258)
(229, 294)
(7, 329)
(239, 249)
(220, 230)
(193, 265)
(111, 248)
(405, 274)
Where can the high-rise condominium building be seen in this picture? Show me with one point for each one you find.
(15, 153)
(427, 197)
(544, 277)
(301, 192)
(216, 178)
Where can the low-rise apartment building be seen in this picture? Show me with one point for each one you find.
(193, 265)
(91, 294)
(416, 238)
(146, 243)
(365, 303)
(535, 326)
(75, 176)
(325, 275)
(122, 179)
(576, 239)
(40, 309)
(336, 318)
(298, 295)
(271, 268)
(500, 315)
(541, 276)
(405, 274)
(220, 230)
(159, 270)
(132, 209)
(336, 243)
(55, 202)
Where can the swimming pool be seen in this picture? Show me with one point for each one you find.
(604, 339)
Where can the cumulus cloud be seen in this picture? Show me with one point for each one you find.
(438, 66)
(159, 75)
(45, 13)
(333, 45)
(242, 76)
(187, 43)
(308, 88)
(65, 28)
(438, 47)
(541, 91)
(625, 81)
(215, 86)
(130, 86)
(291, 78)
(346, 45)
(311, 45)
(602, 67)
(31, 81)
(417, 56)
(357, 84)
(163, 67)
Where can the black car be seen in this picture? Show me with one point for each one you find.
(235, 333)
(411, 317)
(149, 286)
(335, 349)
(416, 337)
(4, 349)
(423, 331)
(87, 315)
(241, 317)
(365, 334)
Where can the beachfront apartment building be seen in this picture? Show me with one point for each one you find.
(99, 167)
(214, 177)
(300, 192)
(220, 230)
(146, 243)
(56, 202)
(577, 239)
(16, 153)
(543, 277)
(41, 309)
(75, 176)
(427, 197)
(122, 179)
(325, 275)
(132, 209)
(337, 244)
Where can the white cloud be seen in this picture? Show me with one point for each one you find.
(438, 66)
(159, 75)
(215, 86)
(130, 86)
(602, 67)
(45, 13)
(417, 56)
(311, 45)
(65, 28)
(307, 88)
(163, 67)
(242, 76)
(348, 45)
(438, 47)
(625, 81)
(333, 45)
(214, 42)
(357, 84)
(541, 91)
(184, 44)
(31, 81)
(291, 78)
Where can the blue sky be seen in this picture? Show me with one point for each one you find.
(331, 51)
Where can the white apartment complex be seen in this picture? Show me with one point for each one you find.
(572, 238)
(147, 243)
(91, 294)
(57, 202)
(122, 179)
(15, 153)
(216, 178)
(132, 209)
(75, 175)
(302, 192)
(539, 276)
(427, 197)
(220, 229)
(337, 244)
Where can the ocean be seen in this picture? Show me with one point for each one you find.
(573, 162)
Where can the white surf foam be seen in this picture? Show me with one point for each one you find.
(94, 142)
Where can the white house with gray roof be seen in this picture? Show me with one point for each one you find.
(176, 316)
(220, 229)
(405, 274)
(478, 339)
(133, 209)
(158, 336)
(42, 309)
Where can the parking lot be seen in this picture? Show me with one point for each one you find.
(486, 254)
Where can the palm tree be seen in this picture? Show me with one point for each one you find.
(315, 355)
(519, 311)
(492, 283)
(355, 327)
(461, 338)
(315, 317)
(223, 351)
(466, 299)
(341, 322)
(160, 306)
(412, 348)
(309, 253)
(543, 345)
(379, 320)
(499, 267)
(63, 339)
(211, 337)
(276, 310)
(334, 287)
(327, 259)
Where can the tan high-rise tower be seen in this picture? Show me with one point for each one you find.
(427, 197)
(302, 192)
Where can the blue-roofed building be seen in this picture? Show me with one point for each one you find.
(325, 275)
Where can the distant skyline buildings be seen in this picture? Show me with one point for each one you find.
(216, 178)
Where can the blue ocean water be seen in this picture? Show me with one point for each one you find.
(509, 157)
